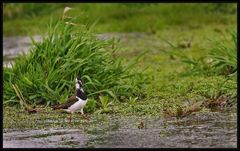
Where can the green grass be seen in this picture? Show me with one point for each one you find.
(224, 55)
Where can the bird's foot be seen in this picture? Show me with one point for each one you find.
(70, 120)
(84, 116)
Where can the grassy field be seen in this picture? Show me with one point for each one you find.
(178, 40)
(32, 18)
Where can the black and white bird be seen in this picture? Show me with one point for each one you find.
(75, 102)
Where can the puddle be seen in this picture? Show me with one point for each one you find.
(48, 138)
(195, 131)
(13, 46)
(200, 130)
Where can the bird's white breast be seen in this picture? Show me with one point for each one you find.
(78, 105)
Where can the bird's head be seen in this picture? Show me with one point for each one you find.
(79, 82)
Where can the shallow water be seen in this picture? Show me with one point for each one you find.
(200, 130)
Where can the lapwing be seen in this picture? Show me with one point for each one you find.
(75, 102)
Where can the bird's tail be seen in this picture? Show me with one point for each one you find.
(58, 106)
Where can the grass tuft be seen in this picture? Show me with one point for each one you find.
(46, 75)
(220, 60)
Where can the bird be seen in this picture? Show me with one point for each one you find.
(75, 102)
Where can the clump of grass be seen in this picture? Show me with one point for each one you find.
(224, 55)
(46, 75)
(220, 60)
(104, 104)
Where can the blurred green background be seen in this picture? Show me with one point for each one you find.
(32, 18)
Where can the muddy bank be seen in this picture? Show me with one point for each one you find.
(199, 130)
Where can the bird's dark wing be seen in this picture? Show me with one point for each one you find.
(70, 101)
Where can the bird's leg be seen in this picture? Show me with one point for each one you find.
(82, 111)
(83, 115)
(70, 118)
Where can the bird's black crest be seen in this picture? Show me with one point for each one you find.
(78, 77)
